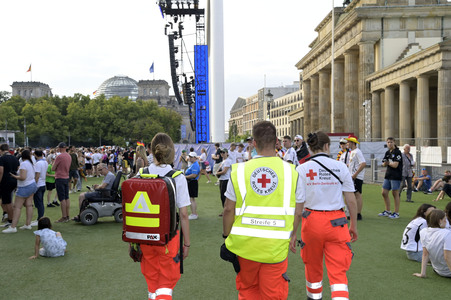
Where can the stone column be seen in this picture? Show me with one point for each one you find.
(376, 115)
(307, 107)
(389, 115)
(444, 110)
(366, 67)
(351, 92)
(422, 114)
(324, 100)
(314, 109)
(405, 129)
(339, 93)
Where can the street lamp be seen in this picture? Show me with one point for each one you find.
(269, 102)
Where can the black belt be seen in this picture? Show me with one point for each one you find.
(341, 209)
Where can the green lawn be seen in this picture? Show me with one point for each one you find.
(97, 265)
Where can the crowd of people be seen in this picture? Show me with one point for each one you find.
(267, 189)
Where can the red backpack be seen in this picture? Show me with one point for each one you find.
(148, 208)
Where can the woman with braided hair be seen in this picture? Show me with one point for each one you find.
(324, 232)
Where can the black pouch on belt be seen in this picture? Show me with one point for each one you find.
(339, 222)
(229, 256)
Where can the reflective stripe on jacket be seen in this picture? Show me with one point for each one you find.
(264, 214)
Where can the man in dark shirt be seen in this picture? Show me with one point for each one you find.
(8, 164)
(393, 176)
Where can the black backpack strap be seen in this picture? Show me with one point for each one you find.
(328, 170)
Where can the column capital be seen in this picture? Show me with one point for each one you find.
(324, 70)
(390, 87)
(314, 76)
(425, 76)
(366, 43)
(351, 52)
(402, 82)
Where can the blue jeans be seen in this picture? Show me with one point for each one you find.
(391, 184)
(416, 256)
(38, 199)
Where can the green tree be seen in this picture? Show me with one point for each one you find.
(4, 96)
(8, 118)
(45, 125)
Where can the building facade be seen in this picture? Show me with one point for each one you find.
(280, 113)
(258, 106)
(392, 72)
(31, 89)
(250, 113)
(236, 117)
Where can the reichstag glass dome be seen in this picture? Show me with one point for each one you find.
(121, 86)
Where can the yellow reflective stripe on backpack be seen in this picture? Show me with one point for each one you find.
(143, 222)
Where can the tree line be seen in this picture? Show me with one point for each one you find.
(83, 121)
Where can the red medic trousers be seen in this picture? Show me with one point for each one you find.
(321, 240)
(260, 281)
(159, 267)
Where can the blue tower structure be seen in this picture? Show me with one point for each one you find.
(201, 79)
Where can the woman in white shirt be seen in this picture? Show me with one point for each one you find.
(436, 242)
(411, 236)
(26, 187)
(203, 164)
(160, 264)
(324, 233)
(224, 174)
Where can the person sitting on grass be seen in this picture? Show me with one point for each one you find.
(411, 237)
(436, 241)
(107, 183)
(446, 188)
(52, 242)
(422, 183)
(438, 184)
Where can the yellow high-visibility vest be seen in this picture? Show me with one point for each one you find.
(265, 190)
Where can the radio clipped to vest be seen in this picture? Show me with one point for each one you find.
(149, 209)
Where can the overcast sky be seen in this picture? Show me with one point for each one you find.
(75, 45)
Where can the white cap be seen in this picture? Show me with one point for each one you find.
(299, 137)
(192, 154)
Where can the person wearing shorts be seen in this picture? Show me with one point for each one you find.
(356, 167)
(192, 175)
(8, 164)
(50, 183)
(107, 184)
(61, 168)
(393, 176)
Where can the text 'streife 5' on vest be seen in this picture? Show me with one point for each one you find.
(265, 191)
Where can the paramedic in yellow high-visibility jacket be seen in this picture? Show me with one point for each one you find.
(258, 218)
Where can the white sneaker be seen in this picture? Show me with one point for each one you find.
(193, 217)
(5, 218)
(28, 227)
(10, 230)
(34, 224)
(7, 224)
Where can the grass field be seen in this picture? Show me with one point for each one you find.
(97, 266)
